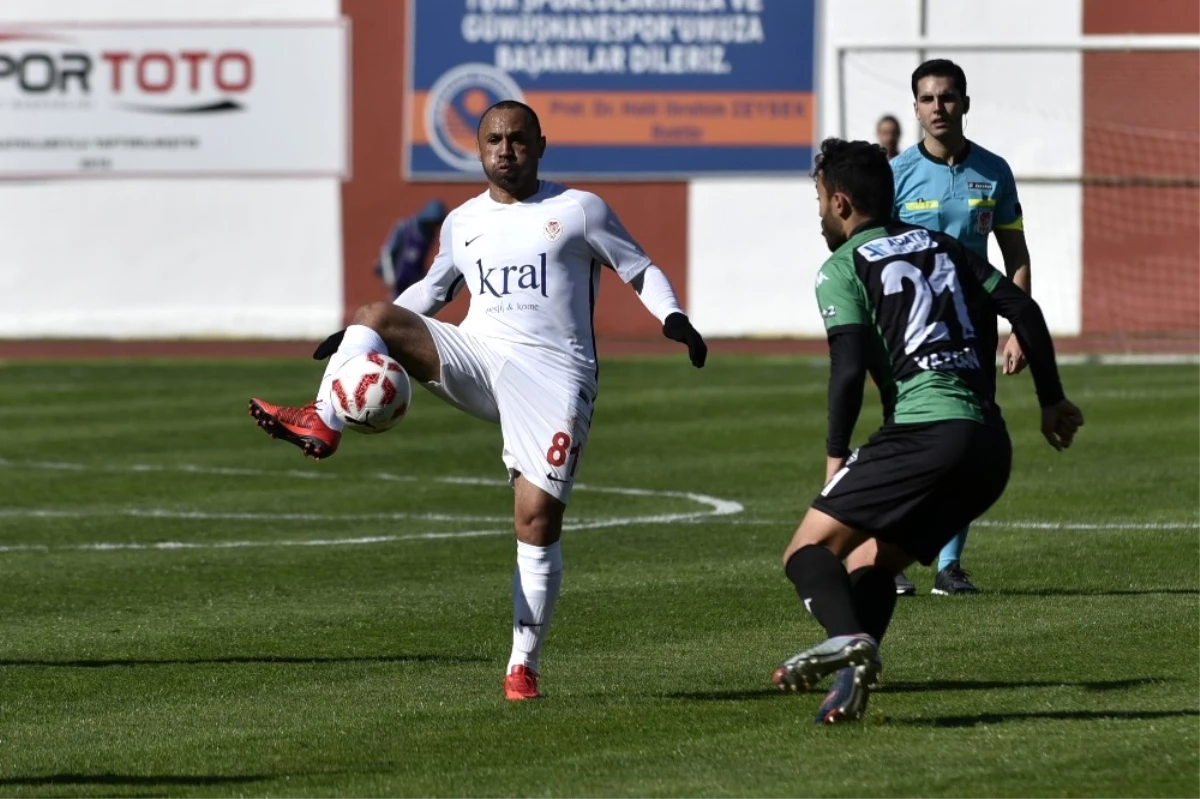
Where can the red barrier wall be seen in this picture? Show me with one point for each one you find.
(655, 213)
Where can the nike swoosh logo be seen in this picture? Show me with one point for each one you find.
(468, 241)
(524, 623)
(555, 479)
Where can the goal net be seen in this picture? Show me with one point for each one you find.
(1103, 136)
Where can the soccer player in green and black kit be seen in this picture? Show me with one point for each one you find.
(917, 310)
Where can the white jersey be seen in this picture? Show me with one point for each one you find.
(533, 267)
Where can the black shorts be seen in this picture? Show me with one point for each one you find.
(916, 485)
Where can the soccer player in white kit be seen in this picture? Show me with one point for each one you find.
(530, 253)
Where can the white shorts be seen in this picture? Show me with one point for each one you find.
(544, 409)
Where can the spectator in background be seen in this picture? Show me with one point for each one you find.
(402, 258)
(887, 133)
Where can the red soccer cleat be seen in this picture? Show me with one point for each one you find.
(300, 426)
(520, 684)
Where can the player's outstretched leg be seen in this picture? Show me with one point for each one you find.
(378, 327)
(536, 584)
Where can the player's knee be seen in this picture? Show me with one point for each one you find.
(375, 315)
(539, 523)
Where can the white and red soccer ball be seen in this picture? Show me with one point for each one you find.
(371, 392)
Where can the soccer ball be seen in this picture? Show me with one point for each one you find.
(371, 392)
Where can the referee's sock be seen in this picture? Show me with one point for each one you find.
(824, 588)
(952, 552)
(874, 592)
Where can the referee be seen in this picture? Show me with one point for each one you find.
(950, 184)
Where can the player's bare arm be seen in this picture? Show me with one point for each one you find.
(1015, 251)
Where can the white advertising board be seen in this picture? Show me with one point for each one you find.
(174, 99)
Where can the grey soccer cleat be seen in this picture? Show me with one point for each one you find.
(804, 670)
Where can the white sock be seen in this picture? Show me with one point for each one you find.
(536, 582)
(359, 339)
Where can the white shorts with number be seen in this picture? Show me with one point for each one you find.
(544, 407)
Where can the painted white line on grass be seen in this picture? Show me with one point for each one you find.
(715, 507)
(1032, 525)
(189, 468)
(198, 515)
(126, 546)
(991, 523)
(1129, 359)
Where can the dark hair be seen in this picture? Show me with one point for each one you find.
(889, 118)
(941, 68)
(511, 105)
(860, 170)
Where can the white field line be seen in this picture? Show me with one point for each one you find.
(715, 507)
(999, 524)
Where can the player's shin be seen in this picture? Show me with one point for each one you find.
(873, 591)
(359, 339)
(824, 588)
(536, 583)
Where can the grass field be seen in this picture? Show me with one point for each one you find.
(191, 609)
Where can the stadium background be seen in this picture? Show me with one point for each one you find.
(1105, 146)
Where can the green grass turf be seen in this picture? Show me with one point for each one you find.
(238, 665)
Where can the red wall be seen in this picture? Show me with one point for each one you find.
(1141, 110)
(655, 213)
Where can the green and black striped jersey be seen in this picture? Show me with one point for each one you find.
(926, 300)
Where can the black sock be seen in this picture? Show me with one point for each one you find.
(824, 588)
(874, 592)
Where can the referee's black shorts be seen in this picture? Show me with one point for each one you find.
(916, 485)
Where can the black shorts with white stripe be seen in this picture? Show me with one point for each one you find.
(916, 485)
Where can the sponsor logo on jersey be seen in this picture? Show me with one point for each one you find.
(978, 184)
(912, 241)
(552, 229)
(965, 358)
(502, 281)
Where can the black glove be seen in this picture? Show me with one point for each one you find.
(329, 346)
(678, 328)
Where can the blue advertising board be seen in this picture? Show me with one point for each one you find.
(633, 89)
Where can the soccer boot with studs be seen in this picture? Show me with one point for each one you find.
(953, 581)
(521, 683)
(805, 669)
(848, 696)
(301, 426)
